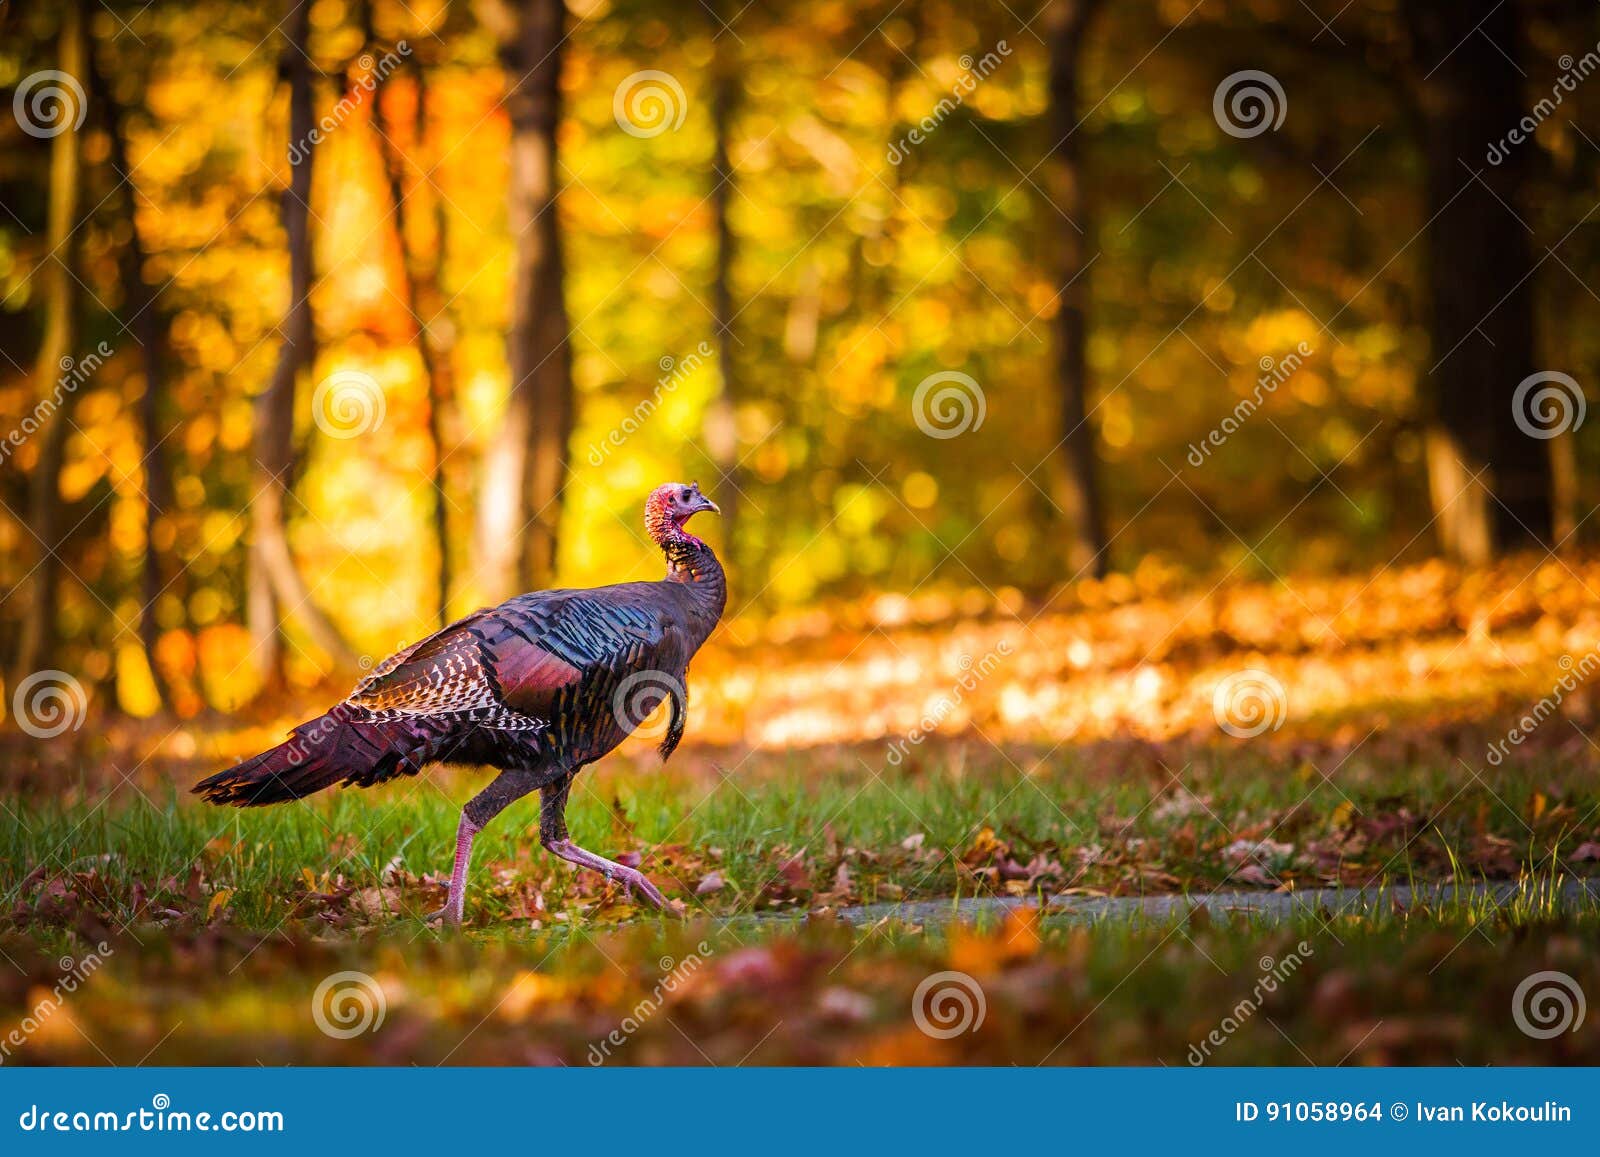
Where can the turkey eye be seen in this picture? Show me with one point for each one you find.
(683, 496)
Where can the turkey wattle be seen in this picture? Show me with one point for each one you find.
(539, 687)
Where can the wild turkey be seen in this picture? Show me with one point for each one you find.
(539, 687)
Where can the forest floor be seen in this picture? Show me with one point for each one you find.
(1126, 740)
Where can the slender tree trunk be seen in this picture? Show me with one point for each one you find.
(1565, 487)
(59, 290)
(1490, 482)
(1076, 485)
(526, 467)
(278, 590)
(438, 334)
(147, 321)
(721, 427)
(420, 291)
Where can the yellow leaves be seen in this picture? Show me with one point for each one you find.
(528, 992)
(220, 848)
(983, 954)
(985, 846)
(79, 475)
(238, 428)
(50, 1019)
(219, 901)
(919, 490)
(136, 691)
(858, 377)
(1280, 332)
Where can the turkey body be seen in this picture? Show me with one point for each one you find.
(538, 687)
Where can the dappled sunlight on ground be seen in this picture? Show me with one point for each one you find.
(1421, 652)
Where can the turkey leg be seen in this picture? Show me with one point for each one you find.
(553, 835)
(507, 788)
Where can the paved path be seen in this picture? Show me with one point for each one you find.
(1275, 906)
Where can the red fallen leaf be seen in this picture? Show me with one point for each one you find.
(1585, 852)
(794, 874)
(841, 880)
(629, 859)
(709, 883)
(32, 878)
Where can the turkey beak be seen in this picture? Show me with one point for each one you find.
(704, 503)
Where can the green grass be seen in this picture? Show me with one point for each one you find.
(222, 923)
(779, 829)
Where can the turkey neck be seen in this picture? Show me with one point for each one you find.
(695, 565)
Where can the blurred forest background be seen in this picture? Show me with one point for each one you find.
(323, 322)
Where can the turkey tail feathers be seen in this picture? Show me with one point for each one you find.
(319, 754)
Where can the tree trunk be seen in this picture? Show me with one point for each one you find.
(1490, 482)
(421, 293)
(278, 590)
(526, 466)
(721, 428)
(145, 319)
(1566, 489)
(59, 289)
(1076, 486)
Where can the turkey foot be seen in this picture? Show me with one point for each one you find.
(456, 899)
(637, 883)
